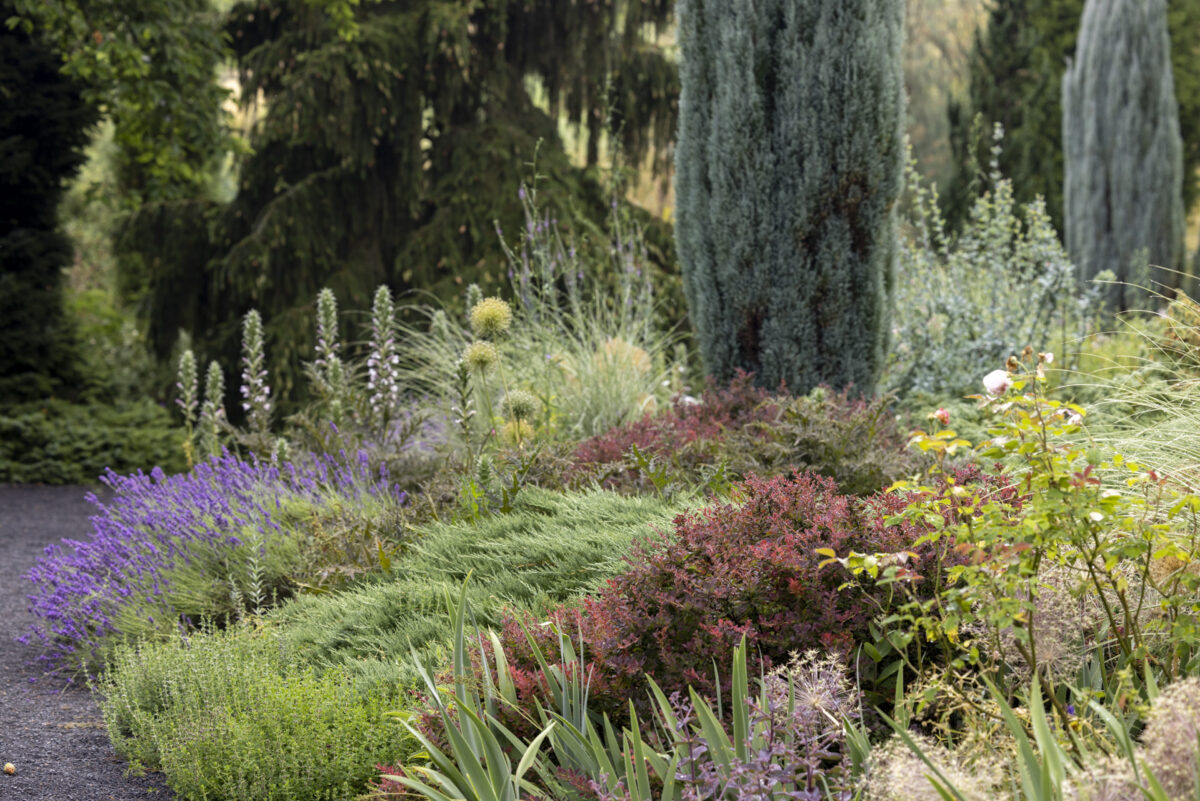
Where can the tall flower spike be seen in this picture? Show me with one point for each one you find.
(256, 393)
(327, 328)
(188, 386)
(212, 411)
(474, 296)
(383, 360)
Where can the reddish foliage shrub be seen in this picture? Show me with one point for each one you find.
(687, 598)
(387, 788)
(687, 432)
(750, 431)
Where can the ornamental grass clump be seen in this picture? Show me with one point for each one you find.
(170, 551)
(579, 332)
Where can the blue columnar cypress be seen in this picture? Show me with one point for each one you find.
(788, 168)
(1122, 195)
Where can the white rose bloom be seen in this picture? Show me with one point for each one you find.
(997, 382)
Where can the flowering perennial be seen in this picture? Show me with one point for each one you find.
(383, 362)
(155, 523)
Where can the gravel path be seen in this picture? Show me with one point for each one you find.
(54, 737)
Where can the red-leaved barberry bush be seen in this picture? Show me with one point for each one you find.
(748, 568)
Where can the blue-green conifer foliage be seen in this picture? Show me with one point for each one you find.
(1123, 198)
(789, 166)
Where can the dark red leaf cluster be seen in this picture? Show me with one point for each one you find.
(687, 432)
(732, 570)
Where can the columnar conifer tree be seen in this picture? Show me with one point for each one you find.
(1015, 79)
(1124, 155)
(788, 168)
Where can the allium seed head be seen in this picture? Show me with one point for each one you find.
(482, 356)
(520, 405)
(490, 318)
(1170, 737)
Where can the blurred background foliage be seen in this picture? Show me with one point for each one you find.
(250, 153)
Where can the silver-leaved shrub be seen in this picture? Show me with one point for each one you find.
(1003, 283)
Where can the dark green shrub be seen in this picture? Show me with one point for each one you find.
(788, 169)
(61, 443)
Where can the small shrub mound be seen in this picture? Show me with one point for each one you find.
(736, 569)
(227, 715)
(61, 443)
(732, 432)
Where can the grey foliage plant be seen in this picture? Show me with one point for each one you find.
(788, 169)
(1123, 202)
(1005, 282)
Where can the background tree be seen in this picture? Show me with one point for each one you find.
(151, 67)
(938, 36)
(44, 126)
(788, 168)
(1016, 70)
(1015, 79)
(1124, 154)
(391, 137)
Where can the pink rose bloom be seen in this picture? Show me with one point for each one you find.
(942, 416)
(997, 382)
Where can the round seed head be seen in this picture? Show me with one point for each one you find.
(481, 356)
(520, 405)
(490, 318)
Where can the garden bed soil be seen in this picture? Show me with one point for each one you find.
(50, 730)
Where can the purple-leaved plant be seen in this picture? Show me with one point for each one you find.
(154, 524)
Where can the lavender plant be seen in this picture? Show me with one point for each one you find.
(150, 562)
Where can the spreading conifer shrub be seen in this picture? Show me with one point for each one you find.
(747, 569)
